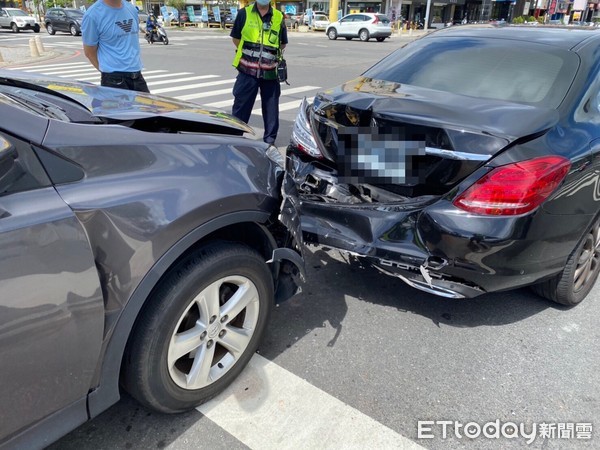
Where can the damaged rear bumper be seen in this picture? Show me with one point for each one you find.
(424, 241)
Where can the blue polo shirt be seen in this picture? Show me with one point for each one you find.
(115, 32)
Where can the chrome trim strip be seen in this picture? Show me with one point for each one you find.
(451, 154)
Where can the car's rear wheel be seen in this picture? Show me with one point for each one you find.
(363, 35)
(380, 39)
(73, 30)
(14, 27)
(332, 34)
(200, 328)
(50, 29)
(578, 277)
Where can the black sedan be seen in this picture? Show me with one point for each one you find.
(466, 162)
(140, 248)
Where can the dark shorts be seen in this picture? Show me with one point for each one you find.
(134, 81)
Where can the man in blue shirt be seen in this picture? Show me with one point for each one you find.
(110, 41)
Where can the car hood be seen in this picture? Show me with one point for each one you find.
(118, 105)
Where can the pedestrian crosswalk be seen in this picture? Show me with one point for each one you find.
(210, 90)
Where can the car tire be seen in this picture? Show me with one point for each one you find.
(36, 28)
(50, 29)
(578, 277)
(73, 30)
(14, 27)
(380, 39)
(363, 35)
(332, 34)
(191, 305)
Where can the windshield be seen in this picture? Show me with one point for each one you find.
(75, 13)
(499, 69)
(320, 17)
(16, 12)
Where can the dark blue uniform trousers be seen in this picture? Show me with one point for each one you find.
(244, 92)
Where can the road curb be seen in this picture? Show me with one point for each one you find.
(20, 56)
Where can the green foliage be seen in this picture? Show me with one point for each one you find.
(61, 3)
(518, 20)
(177, 4)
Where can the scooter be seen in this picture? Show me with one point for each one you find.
(158, 34)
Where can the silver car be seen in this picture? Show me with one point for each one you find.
(17, 20)
(361, 25)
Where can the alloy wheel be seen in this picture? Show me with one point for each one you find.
(587, 264)
(213, 332)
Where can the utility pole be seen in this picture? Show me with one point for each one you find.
(426, 23)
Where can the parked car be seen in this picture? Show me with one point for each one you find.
(320, 22)
(363, 26)
(140, 247)
(306, 19)
(63, 19)
(18, 20)
(456, 174)
(293, 21)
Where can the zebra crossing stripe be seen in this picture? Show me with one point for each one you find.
(192, 86)
(204, 94)
(71, 71)
(42, 67)
(268, 407)
(284, 92)
(181, 80)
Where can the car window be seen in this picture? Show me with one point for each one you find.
(16, 12)
(588, 110)
(483, 68)
(23, 173)
(383, 19)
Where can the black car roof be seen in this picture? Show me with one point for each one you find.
(565, 38)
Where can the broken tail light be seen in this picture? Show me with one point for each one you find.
(302, 136)
(516, 188)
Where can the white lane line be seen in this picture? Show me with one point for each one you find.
(166, 75)
(284, 92)
(97, 76)
(192, 86)
(41, 68)
(71, 71)
(204, 94)
(268, 407)
(284, 106)
(181, 80)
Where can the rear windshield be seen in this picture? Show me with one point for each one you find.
(75, 13)
(383, 19)
(498, 69)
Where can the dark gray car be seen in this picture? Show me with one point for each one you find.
(140, 247)
(63, 19)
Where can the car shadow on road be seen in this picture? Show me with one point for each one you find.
(332, 278)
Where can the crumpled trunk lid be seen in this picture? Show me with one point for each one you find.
(414, 141)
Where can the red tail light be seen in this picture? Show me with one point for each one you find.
(515, 188)
(376, 20)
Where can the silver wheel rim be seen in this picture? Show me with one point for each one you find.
(73, 30)
(588, 262)
(363, 35)
(49, 28)
(213, 332)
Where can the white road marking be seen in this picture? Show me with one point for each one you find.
(192, 86)
(268, 407)
(204, 94)
(297, 90)
(71, 71)
(181, 80)
(41, 68)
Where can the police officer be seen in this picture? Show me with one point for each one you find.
(259, 34)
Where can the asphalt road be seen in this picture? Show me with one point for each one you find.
(392, 355)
